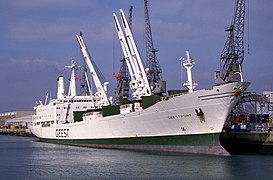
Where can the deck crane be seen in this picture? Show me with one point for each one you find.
(122, 89)
(84, 80)
(232, 56)
(139, 81)
(154, 70)
(100, 96)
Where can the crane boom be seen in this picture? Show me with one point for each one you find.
(123, 79)
(139, 80)
(142, 81)
(232, 56)
(126, 51)
(100, 95)
(130, 44)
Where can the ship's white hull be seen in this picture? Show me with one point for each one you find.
(186, 123)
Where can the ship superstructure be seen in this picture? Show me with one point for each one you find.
(58, 111)
(70, 107)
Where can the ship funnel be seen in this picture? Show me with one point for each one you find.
(60, 93)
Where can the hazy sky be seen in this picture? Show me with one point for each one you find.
(38, 40)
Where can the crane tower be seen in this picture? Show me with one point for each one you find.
(154, 73)
(232, 56)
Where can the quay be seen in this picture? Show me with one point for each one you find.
(247, 142)
(16, 132)
(16, 123)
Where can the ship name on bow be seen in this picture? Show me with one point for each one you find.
(178, 116)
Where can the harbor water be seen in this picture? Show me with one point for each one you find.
(27, 158)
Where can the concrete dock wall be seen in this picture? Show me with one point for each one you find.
(247, 142)
(16, 132)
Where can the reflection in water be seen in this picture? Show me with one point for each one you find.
(26, 158)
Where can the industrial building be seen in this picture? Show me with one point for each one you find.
(16, 118)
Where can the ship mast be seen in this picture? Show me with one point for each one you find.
(72, 85)
(71, 91)
(188, 64)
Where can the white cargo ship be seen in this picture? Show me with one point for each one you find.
(188, 122)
